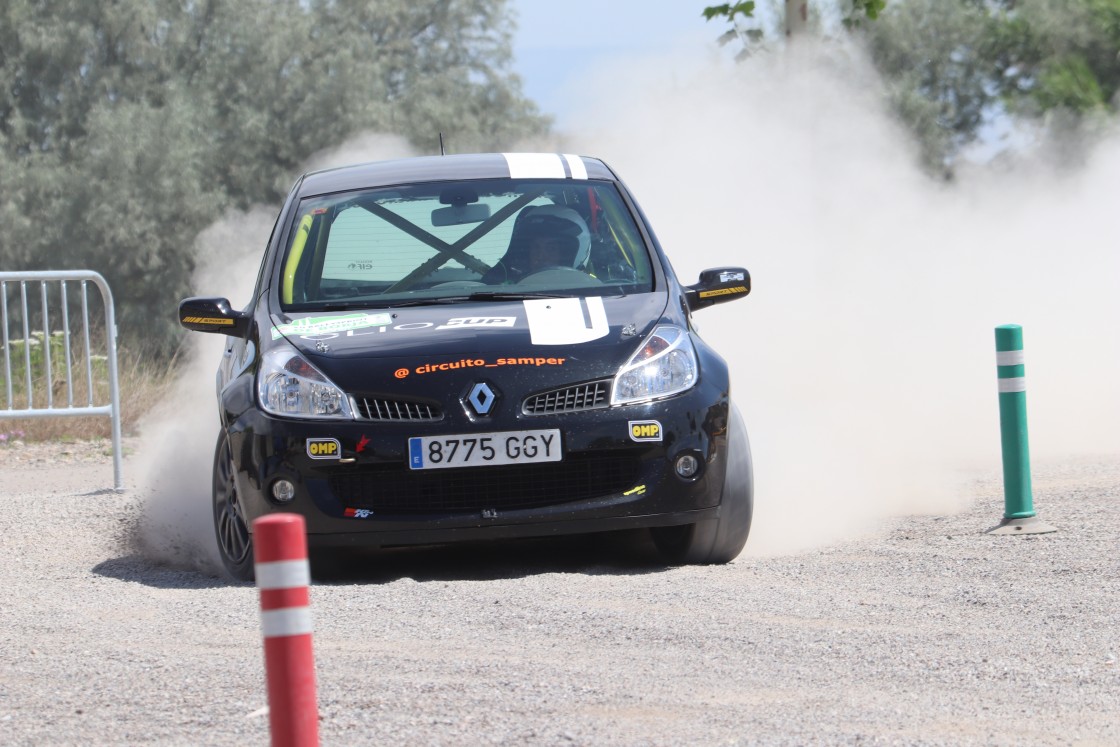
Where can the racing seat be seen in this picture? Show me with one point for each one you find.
(541, 220)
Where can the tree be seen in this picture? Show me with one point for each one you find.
(1059, 55)
(741, 14)
(952, 67)
(128, 126)
(931, 56)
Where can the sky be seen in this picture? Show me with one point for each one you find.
(558, 45)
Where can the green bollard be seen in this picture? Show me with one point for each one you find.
(1018, 515)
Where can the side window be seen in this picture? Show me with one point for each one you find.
(618, 252)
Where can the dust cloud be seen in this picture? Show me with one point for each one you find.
(863, 360)
(179, 437)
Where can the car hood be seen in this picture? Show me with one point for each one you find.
(590, 337)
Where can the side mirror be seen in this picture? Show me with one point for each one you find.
(718, 285)
(213, 315)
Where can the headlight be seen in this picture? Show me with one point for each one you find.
(665, 364)
(289, 386)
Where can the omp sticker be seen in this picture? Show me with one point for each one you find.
(317, 325)
(324, 448)
(566, 321)
(534, 166)
(645, 430)
(473, 322)
(208, 320)
(723, 291)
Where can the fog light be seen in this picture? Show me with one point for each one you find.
(283, 491)
(687, 465)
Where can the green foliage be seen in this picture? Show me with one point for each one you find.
(128, 126)
(728, 11)
(927, 53)
(952, 66)
(869, 8)
(863, 8)
(31, 355)
(749, 36)
(1061, 55)
(746, 29)
(1069, 83)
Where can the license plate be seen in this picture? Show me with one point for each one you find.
(484, 449)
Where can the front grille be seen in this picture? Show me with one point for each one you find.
(372, 408)
(570, 399)
(395, 490)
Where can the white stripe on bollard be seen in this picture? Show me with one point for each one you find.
(1017, 384)
(1010, 358)
(283, 574)
(286, 621)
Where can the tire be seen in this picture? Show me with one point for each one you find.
(719, 540)
(235, 543)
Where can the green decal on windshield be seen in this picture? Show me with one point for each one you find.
(320, 325)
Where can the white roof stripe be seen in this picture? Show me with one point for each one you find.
(535, 166)
(575, 163)
(283, 574)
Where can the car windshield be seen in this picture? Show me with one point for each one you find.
(448, 241)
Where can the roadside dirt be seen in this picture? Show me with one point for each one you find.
(927, 632)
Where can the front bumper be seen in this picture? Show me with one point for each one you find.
(365, 494)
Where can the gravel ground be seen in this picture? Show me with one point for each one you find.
(929, 632)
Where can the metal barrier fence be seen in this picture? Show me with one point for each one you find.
(43, 380)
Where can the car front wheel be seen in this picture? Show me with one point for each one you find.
(235, 543)
(717, 540)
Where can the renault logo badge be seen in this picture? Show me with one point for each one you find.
(481, 398)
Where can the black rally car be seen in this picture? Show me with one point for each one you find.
(474, 346)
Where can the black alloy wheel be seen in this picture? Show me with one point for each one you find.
(235, 543)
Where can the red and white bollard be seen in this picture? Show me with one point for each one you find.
(283, 576)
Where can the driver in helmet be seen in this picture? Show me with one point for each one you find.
(545, 237)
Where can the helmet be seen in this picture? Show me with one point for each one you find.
(557, 221)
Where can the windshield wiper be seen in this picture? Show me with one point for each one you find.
(342, 305)
(438, 300)
(511, 296)
(477, 296)
(370, 304)
(434, 301)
